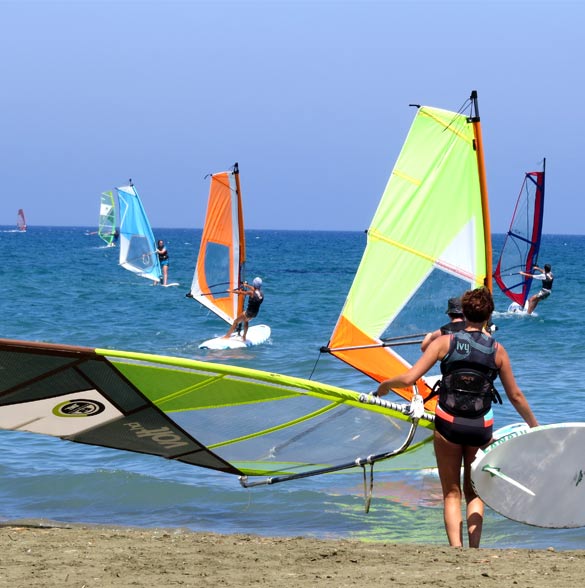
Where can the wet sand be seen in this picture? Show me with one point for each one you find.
(91, 556)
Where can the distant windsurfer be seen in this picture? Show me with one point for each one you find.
(163, 257)
(256, 298)
(470, 362)
(547, 278)
(456, 323)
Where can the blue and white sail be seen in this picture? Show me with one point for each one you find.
(137, 245)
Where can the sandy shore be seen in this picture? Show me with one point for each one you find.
(89, 556)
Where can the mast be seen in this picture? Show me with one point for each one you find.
(241, 236)
(487, 235)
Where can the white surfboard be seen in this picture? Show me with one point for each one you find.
(535, 476)
(171, 284)
(257, 334)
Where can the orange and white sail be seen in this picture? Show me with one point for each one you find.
(222, 253)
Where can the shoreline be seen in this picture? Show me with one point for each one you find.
(52, 555)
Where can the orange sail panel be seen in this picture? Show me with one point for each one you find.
(221, 257)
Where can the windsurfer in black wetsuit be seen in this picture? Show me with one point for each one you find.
(470, 362)
(256, 298)
(457, 323)
(547, 278)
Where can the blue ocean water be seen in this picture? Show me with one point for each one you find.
(61, 285)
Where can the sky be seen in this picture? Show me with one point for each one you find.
(310, 97)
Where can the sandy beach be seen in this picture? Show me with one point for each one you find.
(90, 556)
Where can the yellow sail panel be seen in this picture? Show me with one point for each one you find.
(222, 251)
(429, 218)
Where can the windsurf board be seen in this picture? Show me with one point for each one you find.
(515, 308)
(535, 476)
(256, 335)
(171, 284)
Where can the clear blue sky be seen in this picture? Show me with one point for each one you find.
(310, 97)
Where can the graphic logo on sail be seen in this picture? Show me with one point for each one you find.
(78, 408)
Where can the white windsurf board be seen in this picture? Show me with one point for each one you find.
(515, 308)
(171, 284)
(257, 334)
(535, 476)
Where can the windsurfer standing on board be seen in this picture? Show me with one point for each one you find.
(457, 323)
(163, 257)
(256, 299)
(470, 362)
(547, 279)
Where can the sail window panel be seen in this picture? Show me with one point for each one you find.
(217, 269)
(140, 255)
(286, 430)
(18, 367)
(307, 445)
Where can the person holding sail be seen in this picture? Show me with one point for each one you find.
(256, 298)
(470, 362)
(547, 278)
(456, 322)
(163, 257)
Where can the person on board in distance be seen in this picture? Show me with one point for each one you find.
(470, 362)
(256, 298)
(456, 322)
(163, 257)
(547, 278)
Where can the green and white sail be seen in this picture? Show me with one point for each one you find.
(432, 217)
(107, 218)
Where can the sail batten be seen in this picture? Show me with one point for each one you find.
(432, 217)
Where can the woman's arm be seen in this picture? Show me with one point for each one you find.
(513, 392)
(435, 351)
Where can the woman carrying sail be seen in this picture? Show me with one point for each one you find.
(470, 362)
(256, 298)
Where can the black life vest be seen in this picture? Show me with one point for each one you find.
(254, 302)
(453, 327)
(548, 281)
(469, 371)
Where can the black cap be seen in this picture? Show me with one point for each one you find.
(454, 306)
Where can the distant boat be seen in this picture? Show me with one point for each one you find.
(20, 221)
(137, 245)
(522, 242)
(221, 260)
(107, 218)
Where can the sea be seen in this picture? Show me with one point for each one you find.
(62, 285)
